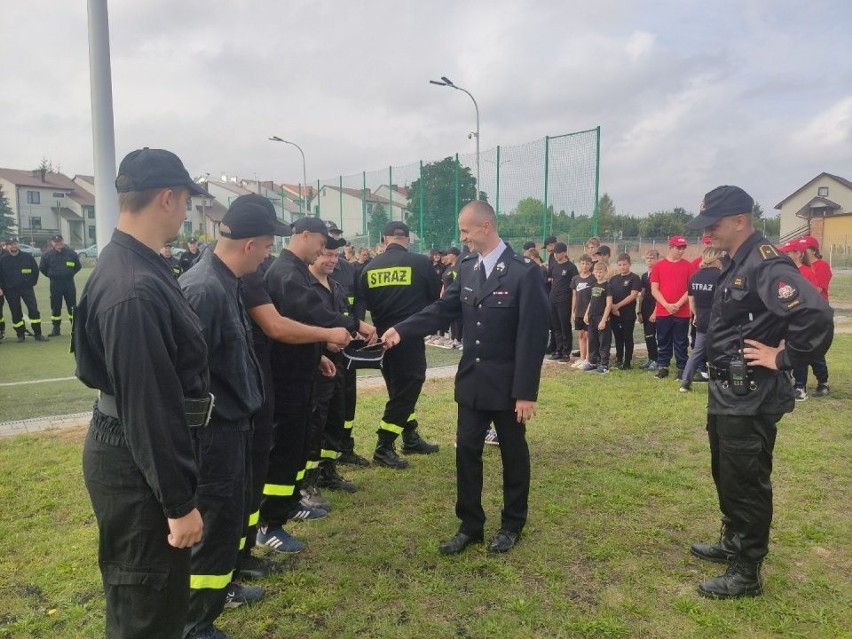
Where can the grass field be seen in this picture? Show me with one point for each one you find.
(621, 487)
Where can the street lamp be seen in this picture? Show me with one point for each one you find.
(275, 138)
(446, 82)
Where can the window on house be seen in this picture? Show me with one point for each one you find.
(822, 191)
(187, 228)
(189, 204)
(58, 195)
(92, 234)
(33, 197)
(90, 213)
(35, 223)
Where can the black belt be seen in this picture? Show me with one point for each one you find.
(198, 411)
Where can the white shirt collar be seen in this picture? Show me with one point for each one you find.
(490, 260)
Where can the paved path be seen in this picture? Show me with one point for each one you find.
(56, 422)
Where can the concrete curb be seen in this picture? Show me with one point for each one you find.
(59, 422)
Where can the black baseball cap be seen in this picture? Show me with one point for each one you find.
(311, 225)
(397, 229)
(251, 215)
(335, 243)
(153, 169)
(332, 227)
(603, 250)
(550, 239)
(12, 240)
(453, 250)
(529, 245)
(721, 202)
(560, 248)
(56, 238)
(192, 240)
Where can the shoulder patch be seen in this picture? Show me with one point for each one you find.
(469, 256)
(522, 259)
(768, 251)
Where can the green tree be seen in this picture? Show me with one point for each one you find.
(7, 216)
(437, 184)
(664, 223)
(378, 221)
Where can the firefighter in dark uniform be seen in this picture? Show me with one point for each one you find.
(291, 289)
(137, 340)
(223, 449)
(766, 319)
(60, 265)
(346, 275)
(503, 301)
(171, 260)
(190, 256)
(3, 252)
(18, 277)
(396, 285)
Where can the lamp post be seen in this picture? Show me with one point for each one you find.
(275, 138)
(446, 82)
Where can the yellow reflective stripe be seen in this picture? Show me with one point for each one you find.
(310, 465)
(328, 454)
(278, 490)
(56, 318)
(412, 417)
(254, 518)
(17, 324)
(35, 321)
(242, 543)
(211, 582)
(26, 271)
(391, 427)
(71, 264)
(391, 276)
(351, 299)
(301, 474)
(348, 424)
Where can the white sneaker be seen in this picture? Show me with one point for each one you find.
(801, 394)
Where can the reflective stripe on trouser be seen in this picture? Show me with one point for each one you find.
(288, 454)
(27, 296)
(221, 451)
(347, 424)
(404, 374)
(62, 291)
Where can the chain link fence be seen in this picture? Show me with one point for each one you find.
(529, 185)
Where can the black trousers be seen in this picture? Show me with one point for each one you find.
(650, 329)
(600, 342)
(146, 581)
(222, 454)
(2, 318)
(27, 296)
(741, 464)
(289, 454)
(350, 402)
(560, 325)
(62, 290)
(326, 389)
(261, 444)
(335, 436)
(622, 331)
(404, 370)
(515, 454)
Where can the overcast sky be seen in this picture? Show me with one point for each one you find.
(688, 95)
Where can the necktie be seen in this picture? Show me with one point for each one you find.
(482, 275)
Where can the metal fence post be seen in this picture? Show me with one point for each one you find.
(597, 181)
(546, 175)
(457, 194)
(497, 200)
(420, 197)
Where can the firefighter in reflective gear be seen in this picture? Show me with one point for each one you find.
(18, 277)
(170, 259)
(60, 265)
(394, 286)
(766, 319)
(3, 252)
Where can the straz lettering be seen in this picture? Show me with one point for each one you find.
(391, 276)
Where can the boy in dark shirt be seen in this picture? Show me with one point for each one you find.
(647, 311)
(624, 288)
(597, 319)
(561, 273)
(581, 285)
(701, 288)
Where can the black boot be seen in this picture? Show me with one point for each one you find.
(311, 495)
(385, 454)
(56, 330)
(722, 552)
(331, 479)
(741, 579)
(414, 444)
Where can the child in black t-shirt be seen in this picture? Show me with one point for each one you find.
(702, 286)
(581, 290)
(597, 319)
(624, 288)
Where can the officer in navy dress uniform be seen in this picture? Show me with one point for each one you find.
(766, 319)
(502, 301)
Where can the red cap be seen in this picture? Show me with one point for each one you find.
(791, 245)
(706, 240)
(809, 241)
(678, 240)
